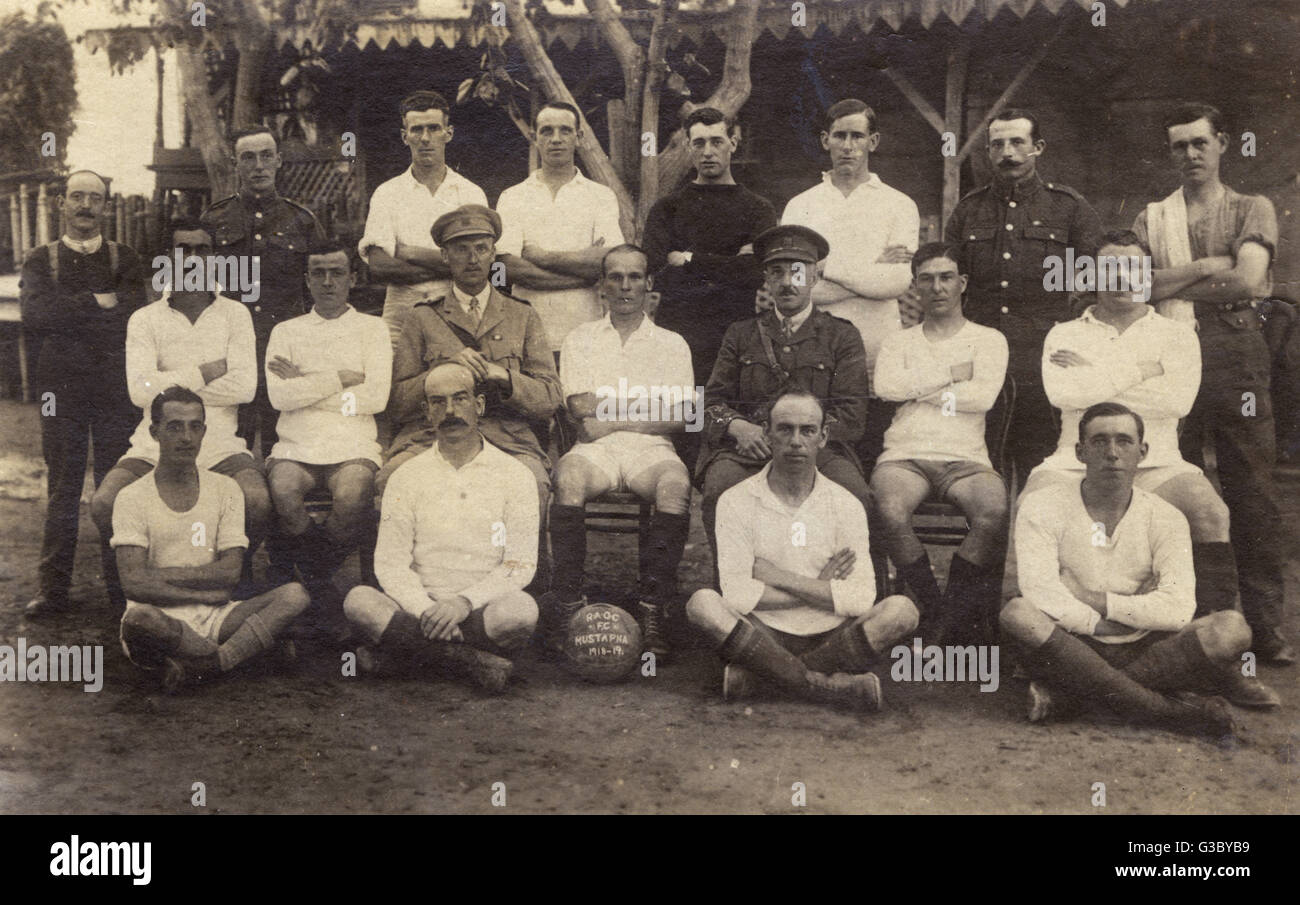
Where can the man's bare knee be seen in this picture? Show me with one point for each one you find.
(708, 611)
(895, 615)
(673, 492)
(571, 484)
(1022, 620)
(1224, 635)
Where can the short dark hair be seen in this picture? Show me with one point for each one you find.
(1122, 237)
(329, 247)
(184, 223)
(1107, 410)
(848, 107)
(559, 105)
(421, 101)
(626, 246)
(1190, 113)
(932, 250)
(706, 116)
(1019, 113)
(795, 391)
(249, 133)
(173, 394)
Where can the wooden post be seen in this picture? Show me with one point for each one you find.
(158, 104)
(25, 219)
(121, 221)
(42, 216)
(953, 108)
(15, 229)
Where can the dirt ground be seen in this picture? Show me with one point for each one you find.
(305, 739)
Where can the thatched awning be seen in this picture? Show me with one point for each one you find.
(447, 22)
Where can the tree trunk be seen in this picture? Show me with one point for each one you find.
(254, 46)
(656, 70)
(202, 113)
(592, 154)
(729, 97)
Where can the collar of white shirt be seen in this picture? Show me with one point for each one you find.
(873, 181)
(450, 181)
(577, 180)
(442, 460)
(84, 246)
(317, 320)
(762, 490)
(1090, 316)
(645, 328)
(797, 321)
(464, 298)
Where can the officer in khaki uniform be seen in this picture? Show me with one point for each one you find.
(1005, 231)
(498, 337)
(793, 344)
(258, 221)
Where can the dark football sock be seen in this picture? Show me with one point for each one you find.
(1216, 577)
(921, 582)
(756, 649)
(569, 549)
(1176, 664)
(661, 553)
(847, 650)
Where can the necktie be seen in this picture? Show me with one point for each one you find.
(473, 310)
(787, 327)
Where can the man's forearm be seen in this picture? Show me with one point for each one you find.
(215, 576)
(159, 592)
(811, 591)
(389, 269)
(529, 275)
(583, 264)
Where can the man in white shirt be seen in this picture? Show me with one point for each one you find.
(1107, 612)
(328, 374)
(556, 226)
(397, 243)
(179, 538)
(1121, 350)
(457, 545)
(798, 592)
(947, 372)
(627, 382)
(872, 230)
(204, 342)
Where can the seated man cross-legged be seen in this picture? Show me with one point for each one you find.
(204, 342)
(624, 441)
(947, 372)
(1121, 350)
(1107, 612)
(457, 545)
(178, 534)
(798, 592)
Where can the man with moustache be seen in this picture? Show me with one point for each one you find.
(872, 230)
(624, 443)
(798, 594)
(699, 240)
(76, 297)
(1007, 230)
(1212, 249)
(1107, 613)
(1120, 350)
(556, 226)
(179, 537)
(258, 222)
(457, 545)
(397, 242)
(794, 344)
(947, 373)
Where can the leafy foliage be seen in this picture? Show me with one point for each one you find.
(38, 90)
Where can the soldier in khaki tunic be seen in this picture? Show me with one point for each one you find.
(499, 338)
(1005, 231)
(791, 345)
(258, 221)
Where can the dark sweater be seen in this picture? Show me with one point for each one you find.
(82, 357)
(713, 222)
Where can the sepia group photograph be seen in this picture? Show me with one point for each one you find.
(651, 407)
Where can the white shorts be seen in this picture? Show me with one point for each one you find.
(205, 620)
(620, 461)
